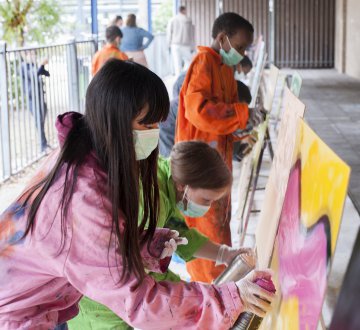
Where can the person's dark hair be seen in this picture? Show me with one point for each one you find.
(131, 20)
(182, 9)
(196, 164)
(230, 23)
(115, 97)
(244, 93)
(112, 32)
(246, 62)
(115, 20)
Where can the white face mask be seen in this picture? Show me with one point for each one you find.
(240, 76)
(145, 142)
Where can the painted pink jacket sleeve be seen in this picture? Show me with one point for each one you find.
(151, 259)
(93, 271)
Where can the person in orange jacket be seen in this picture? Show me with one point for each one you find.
(113, 36)
(209, 110)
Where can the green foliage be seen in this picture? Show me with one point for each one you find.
(31, 21)
(162, 16)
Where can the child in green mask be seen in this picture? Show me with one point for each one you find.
(210, 111)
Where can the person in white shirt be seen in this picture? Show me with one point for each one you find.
(180, 36)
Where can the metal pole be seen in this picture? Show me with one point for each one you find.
(272, 31)
(149, 12)
(5, 129)
(94, 21)
(73, 74)
(175, 7)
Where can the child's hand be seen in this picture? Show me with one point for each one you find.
(254, 298)
(172, 243)
(256, 117)
(227, 254)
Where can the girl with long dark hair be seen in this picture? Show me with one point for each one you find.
(75, 230)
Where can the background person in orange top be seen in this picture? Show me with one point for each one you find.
(111, 50)
(209, 111)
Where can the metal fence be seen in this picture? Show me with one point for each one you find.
(36, 84)
(32, 95)
(158, 56)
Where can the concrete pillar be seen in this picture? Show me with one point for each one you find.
(340, 35)
(347, 37)
(352, 41)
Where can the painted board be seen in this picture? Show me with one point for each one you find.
(271, 87)
(296, 83)
(255, 82)
(248, 167)
(276, 112)
(278, 178)
(346, 314)
(307, 233)
(253, 168)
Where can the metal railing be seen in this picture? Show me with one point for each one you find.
(32, 95)
(37, 84)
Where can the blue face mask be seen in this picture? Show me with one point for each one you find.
(192, 209)
(232, 57)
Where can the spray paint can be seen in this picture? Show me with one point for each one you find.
(239, 267)
(250, 321)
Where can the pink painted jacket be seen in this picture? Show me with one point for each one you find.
(40, 284)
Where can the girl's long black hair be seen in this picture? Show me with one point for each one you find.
(114, 98)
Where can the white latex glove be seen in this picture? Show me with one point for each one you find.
(227, 254)
(172, 243)
(254, 298)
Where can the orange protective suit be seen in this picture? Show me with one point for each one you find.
(107, 52)
(209, 111)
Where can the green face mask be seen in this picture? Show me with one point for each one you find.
(232, 57)
(193, 209)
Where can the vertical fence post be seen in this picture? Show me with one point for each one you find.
(4, 119)
(272, 31)
(73, 75)
(219, 9)
(94, 19)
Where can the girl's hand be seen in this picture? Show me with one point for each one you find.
(254, 298)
